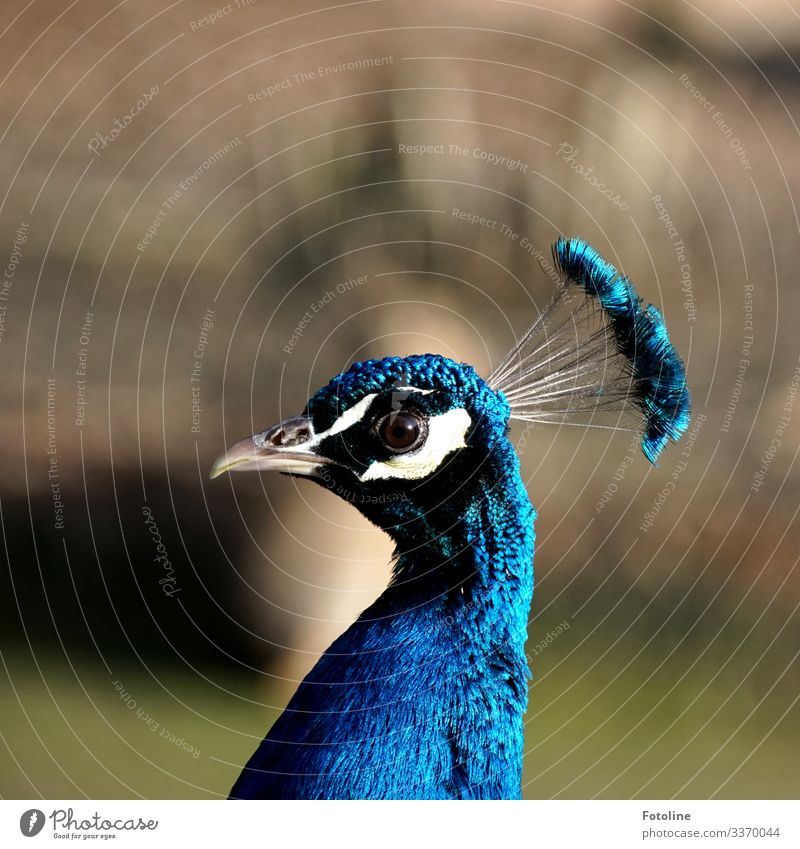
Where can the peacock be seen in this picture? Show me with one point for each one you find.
(423, 697)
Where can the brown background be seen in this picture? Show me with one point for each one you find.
(678, 673)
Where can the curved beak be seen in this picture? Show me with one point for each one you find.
(286, 447)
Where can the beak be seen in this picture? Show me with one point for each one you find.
(287, 447)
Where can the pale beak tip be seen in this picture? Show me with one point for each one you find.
(238, 454)
(216, 470)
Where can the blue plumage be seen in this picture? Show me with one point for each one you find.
(659, 384)
(423, 696)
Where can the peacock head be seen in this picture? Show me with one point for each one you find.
(401, 436)
(389, 435)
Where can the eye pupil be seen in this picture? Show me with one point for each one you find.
(400, 430)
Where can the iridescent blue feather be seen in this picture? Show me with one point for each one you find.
(612, 361)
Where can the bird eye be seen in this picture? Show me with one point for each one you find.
(401, 432)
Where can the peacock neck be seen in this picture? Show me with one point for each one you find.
(463, 578)
(471, 549)
(452, 627)
(423, 697)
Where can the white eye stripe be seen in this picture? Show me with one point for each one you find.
(446, 433)
(350, 416)
(355, 414)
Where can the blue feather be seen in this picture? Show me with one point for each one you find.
(659, 386)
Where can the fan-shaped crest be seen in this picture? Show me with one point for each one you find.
(597, 356)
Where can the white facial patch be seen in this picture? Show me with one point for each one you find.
(445, 434)
(349, 417)
(354, 414)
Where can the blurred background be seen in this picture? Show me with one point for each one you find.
(209, 209)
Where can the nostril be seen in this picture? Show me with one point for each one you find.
(295, 435)
(288, 434)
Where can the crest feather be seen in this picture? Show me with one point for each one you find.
(597, 356)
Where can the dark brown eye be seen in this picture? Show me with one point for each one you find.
(400, 431)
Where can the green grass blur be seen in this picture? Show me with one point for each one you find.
(618, 710)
